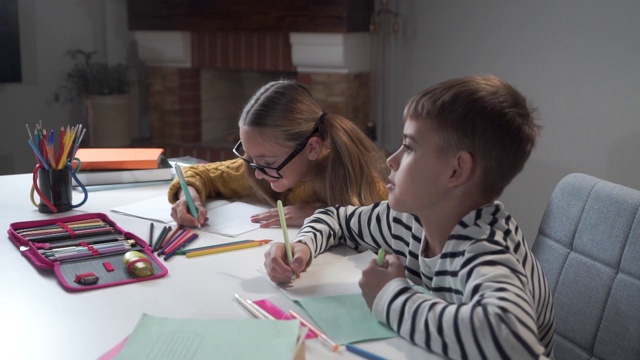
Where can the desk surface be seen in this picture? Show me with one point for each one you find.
(40, 320)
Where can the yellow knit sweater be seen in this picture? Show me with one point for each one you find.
(227, 179)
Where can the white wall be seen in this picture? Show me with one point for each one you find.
(576, 60)
(47, 30)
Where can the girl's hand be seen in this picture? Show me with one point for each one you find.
(293, 215)
(180, 211)
(375, 277)
(277, 265)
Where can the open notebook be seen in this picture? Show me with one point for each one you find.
(225, 217)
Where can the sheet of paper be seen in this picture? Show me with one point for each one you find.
(328, 275)
(165, 338)
(225, 217)
(232, 219)
(156, 209)
(345, 318)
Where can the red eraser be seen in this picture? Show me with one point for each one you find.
(107, 265)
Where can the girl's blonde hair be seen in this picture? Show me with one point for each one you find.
(353, 170)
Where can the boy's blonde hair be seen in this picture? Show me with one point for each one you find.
(354, 170)
(484, 116)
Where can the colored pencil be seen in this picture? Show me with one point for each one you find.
(151, 235)
(186, 251)
(333, 346)
(169, 236)
(362, 352)
(252, 309)
(175, 238)
(187, 194)
(184, 243)
(285, 233)
(159, 239)
(381, 255)
(227, 248)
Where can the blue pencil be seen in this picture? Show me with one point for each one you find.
(362, 352)
(171, 241)
(185, 243)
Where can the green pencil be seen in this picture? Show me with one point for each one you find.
(381, 255)
(285, 233)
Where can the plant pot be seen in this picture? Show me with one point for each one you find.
(108, 120)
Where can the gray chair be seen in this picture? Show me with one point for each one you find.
(589, 247)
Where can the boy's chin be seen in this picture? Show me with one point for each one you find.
(395, 204)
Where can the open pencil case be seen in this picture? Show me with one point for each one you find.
(86, 251)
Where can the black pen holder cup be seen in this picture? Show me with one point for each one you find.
(55, 185)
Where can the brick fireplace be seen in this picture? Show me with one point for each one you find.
(199, 78)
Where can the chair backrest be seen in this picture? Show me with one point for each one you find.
(588, 246)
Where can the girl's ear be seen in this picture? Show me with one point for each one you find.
(314, 148)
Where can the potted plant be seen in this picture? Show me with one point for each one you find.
(104, 90)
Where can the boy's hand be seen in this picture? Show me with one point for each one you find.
(293, 216)
(275, 261)
(180, 211)
(375, 277)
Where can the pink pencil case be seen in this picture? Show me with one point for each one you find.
(277, 313)
(76, 274)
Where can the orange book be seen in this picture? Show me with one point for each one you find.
(119, 158)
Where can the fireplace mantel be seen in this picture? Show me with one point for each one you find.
(250, 15)
(325, 46)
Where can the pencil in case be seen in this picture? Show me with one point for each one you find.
(75, 274)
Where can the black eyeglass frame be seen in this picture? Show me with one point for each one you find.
(263, 169)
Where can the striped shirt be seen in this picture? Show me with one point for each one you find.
(486, 296)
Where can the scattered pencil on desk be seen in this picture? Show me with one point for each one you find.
(254, 309)
(227, 248)
(362, 352)
(217, 246)
(333, 346)
(151, 235)
(188, 240)
(160, 237)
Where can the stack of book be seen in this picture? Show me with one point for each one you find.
(110, 166)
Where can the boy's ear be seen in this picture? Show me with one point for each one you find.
(314, 147)
(463, 170)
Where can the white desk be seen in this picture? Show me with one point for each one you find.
(40, 320)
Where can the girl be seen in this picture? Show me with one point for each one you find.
(289, 150)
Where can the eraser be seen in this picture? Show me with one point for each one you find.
(108, 266)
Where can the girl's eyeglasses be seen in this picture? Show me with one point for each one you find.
(274, 172)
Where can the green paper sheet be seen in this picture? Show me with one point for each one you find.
(345, 318)
(166, 338)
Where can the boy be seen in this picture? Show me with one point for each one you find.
(464, 140)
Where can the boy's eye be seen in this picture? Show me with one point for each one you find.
(406, 147)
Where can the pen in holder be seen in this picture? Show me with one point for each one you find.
(53, 186)
(53, 171)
